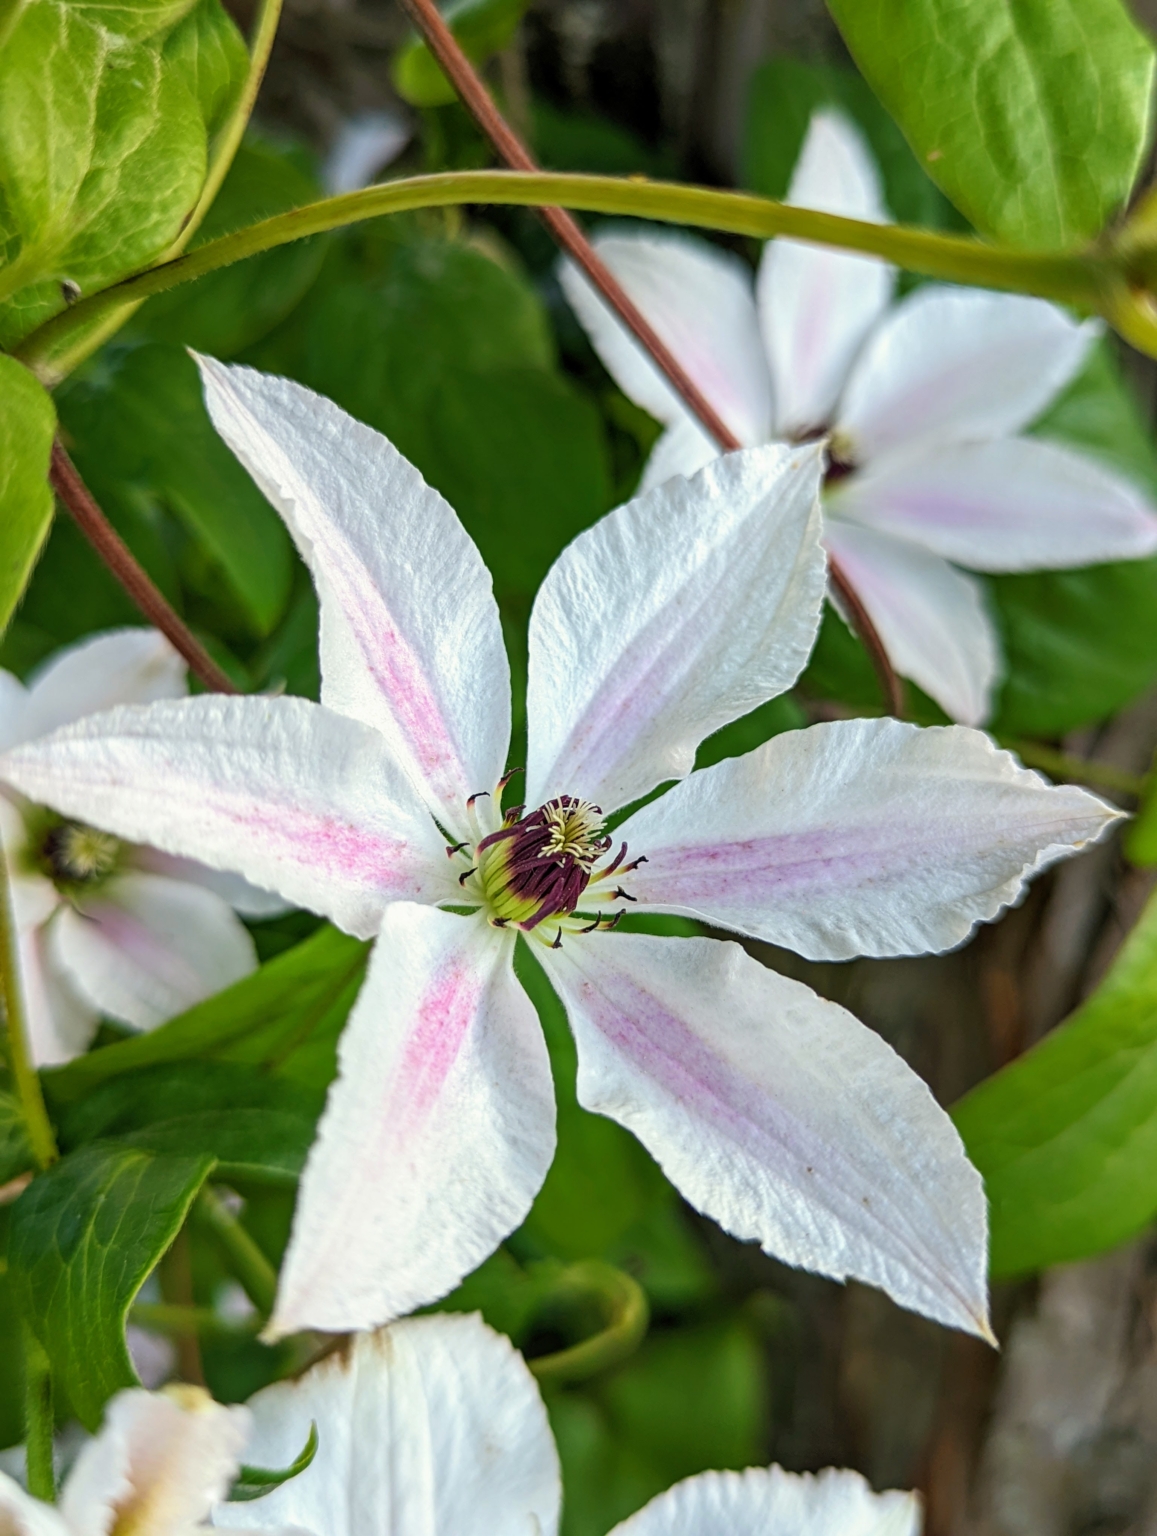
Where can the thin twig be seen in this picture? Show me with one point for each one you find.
(565, 229)
(121, 561)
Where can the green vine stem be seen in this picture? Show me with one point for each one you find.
(39, 1420)
(1079, 770)
(249, 1265)
(1082, 279)
(626, 1315)
(24, 1077)
(224, 148)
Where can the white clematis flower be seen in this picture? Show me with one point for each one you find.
(775, 1112)
(159, 1465)
(443, 1432)
(923, 402)
(106, 928)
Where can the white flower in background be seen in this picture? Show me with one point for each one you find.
(362, 148)
(775, 1112)
(159, 1465)
(104, 927)
(922, 402)
(436, 1426)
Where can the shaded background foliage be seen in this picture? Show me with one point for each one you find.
(448, 332)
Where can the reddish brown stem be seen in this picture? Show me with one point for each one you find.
(565, 229)
(121, 561)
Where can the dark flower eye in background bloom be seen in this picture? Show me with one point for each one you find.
(775, 1112)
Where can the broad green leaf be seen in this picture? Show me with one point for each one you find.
(208, 52)
(140, 430)
(1032, 115)
(15, 1152)
(781, 98)
(482, 27)
(102, 155)
(133, 18)
(1066, 1137)
(84, 1236)
(1080, 644)
(268, 1018)
(255, 1125)
(232, 309)
(27, 425)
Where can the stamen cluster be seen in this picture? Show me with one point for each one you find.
(74, 855)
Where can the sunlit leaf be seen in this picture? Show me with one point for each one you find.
(27, 425)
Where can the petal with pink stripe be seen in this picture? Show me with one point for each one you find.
(296, 798)
(437, 1135)
(859, 837)
(780, 1116)
(410, 637)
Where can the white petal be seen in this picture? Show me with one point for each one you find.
(362, 149)
(296, 798)
(816, 306)
(22, 1515)
(772, 1502)
(61, 1021)
(13, 706)
(779, 1115)
(699, 301)
(123, 666)
(1014, 504)
(683, 448)
(437, 1134)
(410, 637)
(958, 365)
(144, 948)
(861, 837)
(157, 1467)
(433, 1427)
(249, 900)
(680, 611)
(932, 618)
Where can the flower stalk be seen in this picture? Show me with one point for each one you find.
(256, 1274)
(24, 1077)
(38, 1420)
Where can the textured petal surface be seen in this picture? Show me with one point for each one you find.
(296, 798)
(932, 618)
(680, 611)
(410, 637)
(1013, 504)
(122, 666)
(159, 1464)
(816, 305)
(958, 365)
(145, 948)
(779, 1115)
(438, 1131)
(22, 1515)
(249, 900)
(699, 299)
(433, 1427)
(771, 1502)
(861, 837)
(682, 449)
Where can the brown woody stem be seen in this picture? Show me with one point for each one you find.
(565, 229)
(123, 564)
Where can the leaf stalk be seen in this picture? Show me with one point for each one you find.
(25, 1079)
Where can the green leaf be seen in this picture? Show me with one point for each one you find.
(140, 430)
(102, 155)
(1080, 644)
(482, 27)
(208, 52)
(234, 308)
(84, 1236)
(132, 18)
(287, 1016)
(256, 1482)
(15, 1151)
(254, 1125)
(27, 426)
(1032, 115)
(781, 98)
(1066, 1137)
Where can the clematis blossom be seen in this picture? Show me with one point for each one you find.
(105, 927)
(923, 402)
(772, 1110)
(443, 1431)
(160, 1464)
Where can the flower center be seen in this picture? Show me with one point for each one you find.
(539, 866)
(74, 856)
